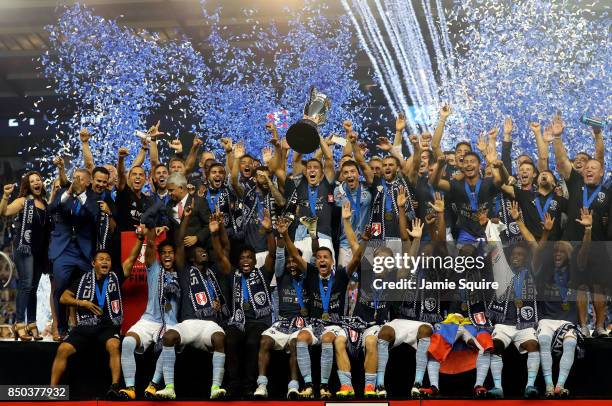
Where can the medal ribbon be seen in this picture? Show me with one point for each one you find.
(518, 287)
(388, 197)
(101, 294)
(588, 200)
(473, 196)
(212, 200)
(538, 205)
(245, 290)
(355, 204)
(326, 294)
(313, 194)
(298, 284)
(561, 282)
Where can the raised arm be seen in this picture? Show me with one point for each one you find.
(235, 174)
(150, 251)
(436, 142)
(599, 145)
(15, 207)
(266, 225)
(142, 153)
(220, 254)
(368, 173)
(282, 224)
(401, 204)
(411, 170)
(436, 179)
(349, 148)
(329, 168)
(58, 161)
(88, 161)
(128, 264)
(507, 144)
(518, 219)
(347, 214)
(562, 162)
(121, 175)
(276, 194)
(586, 219)
(356, 258)
(179, 256)
(400, 125)
(542, 163)
(193, 155)
(438, 206)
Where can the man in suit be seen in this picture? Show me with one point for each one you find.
(75, 212)
(197, 231)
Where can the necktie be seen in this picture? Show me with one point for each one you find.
(179, 209)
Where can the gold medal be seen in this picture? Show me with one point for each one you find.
(518, 303)
(325, 316)
(304, 311)
(565, 306)
(246, 306)
(261, 231)
(168, 306)
(464, 306)
(388, 216)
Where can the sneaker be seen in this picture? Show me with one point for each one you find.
(217, 392)
(307, 392)
(479, 391)
(261, 392)
(496, 393)
(166, 393)
(561, 392)
(381, 392)
(550, 392)
(346, 391)
(128, 393)
(324, 392)
(600, 333)
(113, 392)
(531, 392)
(153, 387)
(430, 392)
(585, 331)
(293, 394)
(415, 392)
(370, 391)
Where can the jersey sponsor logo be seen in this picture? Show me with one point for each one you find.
(115, 307)
(527, 312)
(299, 322)
(201, 298)
(601, 196)
(430, 304)
(260, 298)
(330, 198)
(376, 229)
(354, 335)
(480, 318)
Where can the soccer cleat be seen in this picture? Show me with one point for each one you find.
(166, 393)
(430, 392)
(370, 391)
(381, 392)
(307, 392)
(261, 392)
(346, 391)
(585, 331)
(561, 392)
(415, 392)
(128, 393)
(479, 391)
(217, 392)
(113, 392)
(153, 387)
(600, 333)
(324, 392)
(496, 393)
(531, 392)
(293, 394)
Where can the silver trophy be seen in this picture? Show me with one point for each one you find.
(303, 136)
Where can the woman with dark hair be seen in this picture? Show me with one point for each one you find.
(29, 247)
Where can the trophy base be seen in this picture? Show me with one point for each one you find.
(303, 136)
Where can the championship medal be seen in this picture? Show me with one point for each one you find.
(304, 311)
(464, 306)
(565, 306)
(325, 316)
(388, 216)
(518, 303)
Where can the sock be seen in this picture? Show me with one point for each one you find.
(433, 372)
(262, 380)
(496, 370)
(168, 358)
(383, 357)
(567, 360)
(370, 379)
(421, 359)
(345, 378)
(327, 359)
(158, 374)
(546, 360)
(128, 361)
(303, 359)
(218, 363)
(533, 365)
(293, 384)
(482, 367)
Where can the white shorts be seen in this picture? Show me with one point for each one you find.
(548, 327)
(406, 331)
(336, 330)
(197, 333)
(280, 339)
(305, 246)
(510, 334)
(371, 331)
(147, 331)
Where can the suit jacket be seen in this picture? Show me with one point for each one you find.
(68, 224)
(198, 222)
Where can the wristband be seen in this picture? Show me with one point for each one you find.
(588, 227)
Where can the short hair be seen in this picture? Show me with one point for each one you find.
(525, 155)
(375, 158)
(247, 247)
(214, 165)
(530, 164)
(160, 165)
(136, 167)
(397, 161)
(350, 163)
(472, 153)
(166, 243)
(315, 160)
(551, 174)
(589, 157)
(102, 251)
(177, 179)
(248, 156)
(346, 156)
(324, 249)
(176, 159)
(100, 169)
(83, 171)
(460, 143)
(430, 156)
(262, 168)
(449, 152)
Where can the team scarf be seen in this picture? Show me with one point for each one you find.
(254, 203)
(223, 202)
(381, 204)
(258, 297)
(521, 288)
(558, 336)
(476, 302)
(103, 230)
(354, 327)
(422, 304)
(167, 288)
(204, 289)
(87, 291)
(25, 235)
(289, 325)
